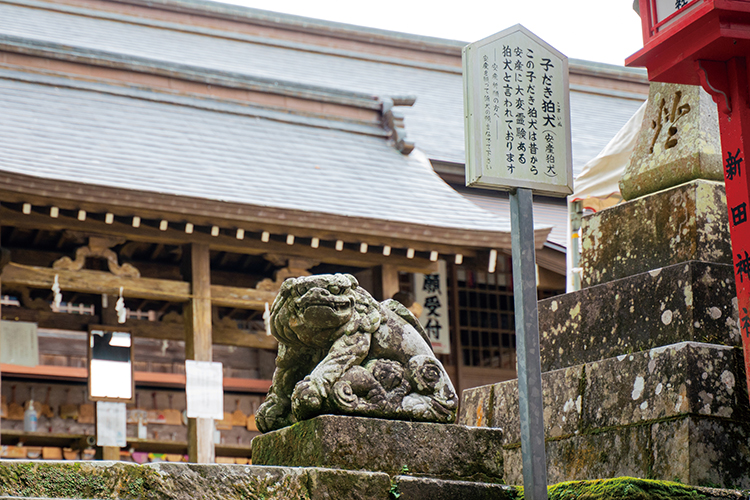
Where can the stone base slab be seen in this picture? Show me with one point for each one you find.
(172, 481)
(421, 488)
(692, 301)
(687, 222)
(357, 443)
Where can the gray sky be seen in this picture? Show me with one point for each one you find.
(596, 30)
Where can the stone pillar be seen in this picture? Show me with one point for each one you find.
(679, 141)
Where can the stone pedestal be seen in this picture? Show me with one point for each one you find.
(674, 412)
(391, 446)
(680, 224)
(690, 301)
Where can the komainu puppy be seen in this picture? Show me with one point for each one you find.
(342, 352)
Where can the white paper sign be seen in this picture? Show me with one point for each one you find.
(19, 344)
(517, 114)
(204, 389)
(110, 424)
(431, 292)
(666, 8)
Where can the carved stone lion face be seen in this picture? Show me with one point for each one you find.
(315, 310)
(325, 301)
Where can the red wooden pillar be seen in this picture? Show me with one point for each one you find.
(727, 82)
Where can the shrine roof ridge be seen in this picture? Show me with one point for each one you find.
(52, 78)
(302, 23)
(86, 55)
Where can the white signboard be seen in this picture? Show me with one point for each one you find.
(110, 424)
(517, 114)
(19, 344)
(665, 8)
(431, 292)
(204, 389)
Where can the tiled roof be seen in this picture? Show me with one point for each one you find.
(223, 151)
(434, 123)
(54, 128)
(546, 210)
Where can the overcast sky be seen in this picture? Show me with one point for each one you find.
(596, 30)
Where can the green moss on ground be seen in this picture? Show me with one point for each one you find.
(623, 488)
(78, 480)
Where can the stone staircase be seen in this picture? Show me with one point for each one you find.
(642, 368)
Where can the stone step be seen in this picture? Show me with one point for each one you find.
(186, 481)
(176, 481)
(692, 301)
(678, 411)
(358, 443)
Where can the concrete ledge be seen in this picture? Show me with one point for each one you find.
(356, 443)
(692, 301)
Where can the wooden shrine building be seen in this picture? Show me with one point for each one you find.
(189, 156)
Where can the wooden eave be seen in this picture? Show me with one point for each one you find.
(42, 192)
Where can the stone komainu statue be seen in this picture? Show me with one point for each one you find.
(342, 352)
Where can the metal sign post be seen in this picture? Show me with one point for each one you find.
(517, 109)
(527, 345)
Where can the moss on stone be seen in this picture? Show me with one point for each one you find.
(624, 488)
(78, 480)
(123, 481)
(273, 450)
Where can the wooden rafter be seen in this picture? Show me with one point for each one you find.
(204, 212)
(219, 243)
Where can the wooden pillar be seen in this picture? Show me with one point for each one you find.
(389, 280)
(4, 260)
(458, 354)
(108, 317)
(198, 344)
(110, 453)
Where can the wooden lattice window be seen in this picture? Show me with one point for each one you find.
(485, 316)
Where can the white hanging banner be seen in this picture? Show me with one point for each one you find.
(111, 421)
(204, 388)
(431, 292)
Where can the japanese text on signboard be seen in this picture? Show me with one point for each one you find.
(522, 110)
(432, 294)
(517, 114)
